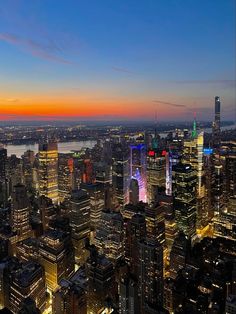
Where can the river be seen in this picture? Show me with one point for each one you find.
(63, 147)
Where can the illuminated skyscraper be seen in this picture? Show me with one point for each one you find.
(27, 282)
(109, 238)
(216, 124)
(47, 211)
(57, 257)
(65, 176)
(20, 212)
(3, 178)
(28, 164)
(101, 276)
(150, 275)
(129, 301)
(48, 170)
(133, 192)
(155, 222)
(156, 173)
(184, 198)
(178, 254)
(80, 223)
(87, 171)
(121, 173)
(97, 202)
(69, 298)
(135, 232)
(193, 155)
(217, 184)
(139, 169)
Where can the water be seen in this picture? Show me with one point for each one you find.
(67, 147)
(63, 147)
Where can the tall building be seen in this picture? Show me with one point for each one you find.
(133, 192)
(155, 222)
(178, 254)
(101, 275)
(193, 155)
(230, 172)
(139, 168)
(156, 173)
(3, 178)
(87, 171)
(150, 275)
(27, 282)
(97, 202)
(80, 223)
(48, 170)
(129, 301)
(69, 298)
(27, 250)
(217, 184)
(135, 232)
(56, 255)
(47, 211)
(216, 124)
(20, 213)
(28, 165)
(65, 176)
(121, 173)
(184, 198)
(109, 238)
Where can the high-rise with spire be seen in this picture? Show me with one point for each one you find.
(216, 124)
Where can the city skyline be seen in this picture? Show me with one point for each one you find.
(117, 61)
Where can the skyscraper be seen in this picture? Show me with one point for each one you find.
(20, 213)
(216, 124)
(27, 281)
(184, 198)
(79, 222)
(133, 192)
(135, 232)
(150, 274)
(101, 274)
(129, 301)
(121, 173)
(109, 238)
(97, 202)
(48, 170)
(3, 179)
(156, 173)
(139, 168)
(56, 256)
(65, 176)
(69, 298)
(193, 155)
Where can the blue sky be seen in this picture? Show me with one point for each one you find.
(135, 57)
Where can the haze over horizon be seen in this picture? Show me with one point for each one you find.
(125, 60)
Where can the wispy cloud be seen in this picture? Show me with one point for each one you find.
(11, 99)
(123, 70)
(206, 82)
(47, 50)
(168, 103)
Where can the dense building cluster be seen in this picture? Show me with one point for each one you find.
(135, 225)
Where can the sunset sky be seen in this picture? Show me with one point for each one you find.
(116, 59)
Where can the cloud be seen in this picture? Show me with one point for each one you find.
(11, 99)
(203, 82)
(123, 70)
(168, 103)
(47, 50)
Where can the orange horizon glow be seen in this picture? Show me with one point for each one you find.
(66, 107)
